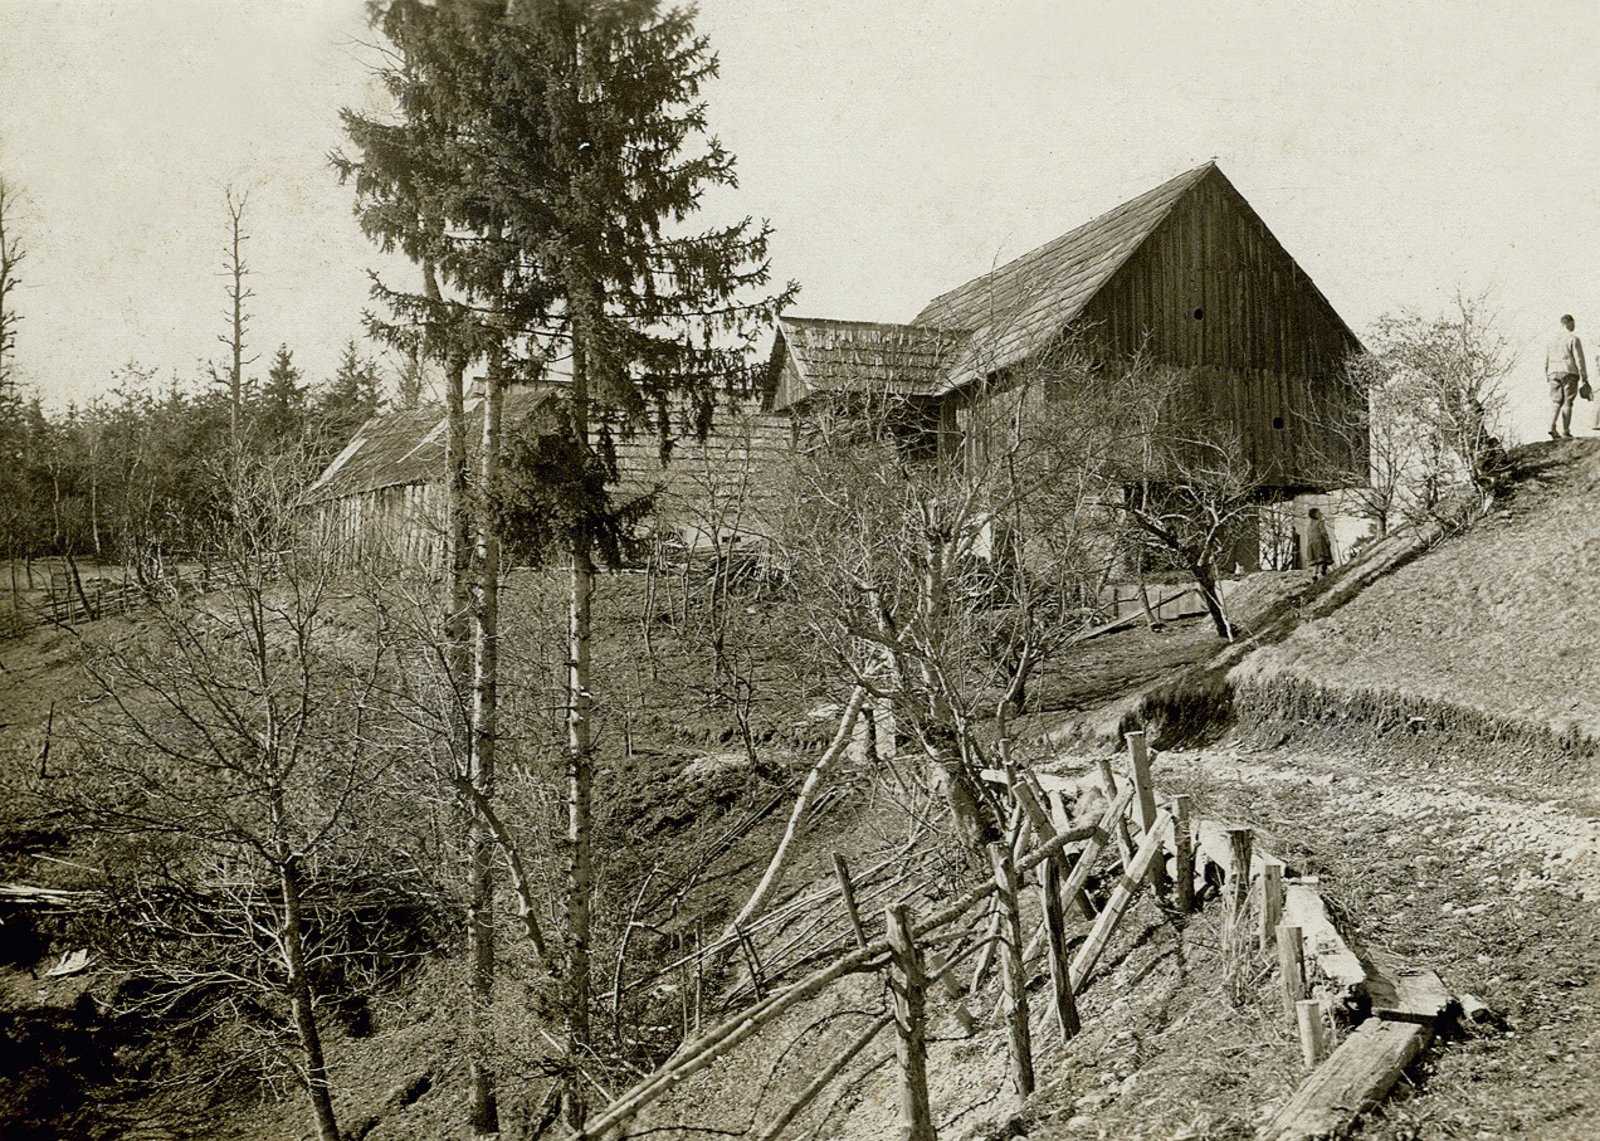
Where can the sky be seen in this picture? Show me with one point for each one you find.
(1403, 152)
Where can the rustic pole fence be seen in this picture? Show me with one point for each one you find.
(1066, 1005)
(908, 988)
(1183, 851)
(1236, 938)
(841, 871)
(1269, 911)
(1012, 979)
(1313, 1034)
(1292, 967)
(1145, 800)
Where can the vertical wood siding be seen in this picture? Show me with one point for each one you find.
(1212, 291)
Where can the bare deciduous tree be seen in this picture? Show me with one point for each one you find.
(234, 761)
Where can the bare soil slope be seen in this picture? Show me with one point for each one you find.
(1500, 622)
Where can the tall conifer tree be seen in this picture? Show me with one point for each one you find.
(544, 167)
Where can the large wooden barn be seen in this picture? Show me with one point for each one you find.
(1185, 274)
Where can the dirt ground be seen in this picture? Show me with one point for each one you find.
(1489, 880)
(1481, 862)
(1499, 621)
(1436, 858)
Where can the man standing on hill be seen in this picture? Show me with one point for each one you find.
(1319, 545)
(1564, 368)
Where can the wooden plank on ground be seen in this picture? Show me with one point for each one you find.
(1326, 952)
(1353, 1080)
(1404, 994)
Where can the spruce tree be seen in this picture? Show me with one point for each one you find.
(543, 168)
(349, 399)
(280, 406)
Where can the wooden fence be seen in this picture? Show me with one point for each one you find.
(982, 931)
(1141, 843)
(70, 600)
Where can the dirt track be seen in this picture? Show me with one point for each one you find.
(1490, 880)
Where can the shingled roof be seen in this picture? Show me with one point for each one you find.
(1013, 311)
(985, 325)
(403, 447)
(828, 356)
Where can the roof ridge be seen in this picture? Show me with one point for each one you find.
(918, 326)
(1194, 175)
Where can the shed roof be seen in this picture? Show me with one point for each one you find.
(1013, 311)
(403, 447)
(828, 355)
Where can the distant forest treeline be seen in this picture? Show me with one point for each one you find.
(134, 475)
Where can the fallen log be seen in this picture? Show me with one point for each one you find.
(1353, 1080)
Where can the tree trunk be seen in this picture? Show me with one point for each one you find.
(1206, 580)
(89, 612)
(802, 805)
(461, 612)
(580, 765)
(300, 1001)
(484, 1112)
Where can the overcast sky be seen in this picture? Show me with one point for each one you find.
(1399, 150)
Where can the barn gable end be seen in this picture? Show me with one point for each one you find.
(1186, 274)
(1213, 292)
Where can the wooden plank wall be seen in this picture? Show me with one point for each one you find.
(390, 524)
(736, 481)
(1212, 291)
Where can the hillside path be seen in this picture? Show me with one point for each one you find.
(1453, 864)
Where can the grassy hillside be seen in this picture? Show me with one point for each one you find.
(1497, 626)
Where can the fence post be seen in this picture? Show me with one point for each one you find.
(1292, 965)
(908, 987)
(1236, 936)
(1145, 798)
(1271, 900)
(1108, 779)
(842, 871)
(1119, 827)
(1056, 944)
(1239, 845)
(1011, 976)
(1139, 766)
(1048, 830)
(1313, 1035)
(1183, 851)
